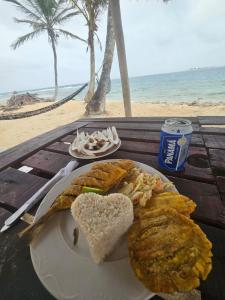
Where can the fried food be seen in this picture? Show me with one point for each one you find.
(181, 203)
(169, 252)
(125, 164)
(61, 203)
(89, 181)
(102, 175)
(98, 174)
(73, 190)
(105, 175)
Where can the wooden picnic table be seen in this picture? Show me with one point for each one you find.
(203, 180)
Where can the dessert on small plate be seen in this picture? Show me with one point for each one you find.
(95, 145)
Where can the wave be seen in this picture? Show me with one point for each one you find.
(216, 94)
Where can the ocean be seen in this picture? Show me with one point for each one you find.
(202, 85)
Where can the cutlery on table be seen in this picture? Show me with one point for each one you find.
(39, 195)
(27, 218)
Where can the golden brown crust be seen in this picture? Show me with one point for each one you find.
(180, 203)
(73, 190)
(104, 175)
(125, 164)
(169, 252)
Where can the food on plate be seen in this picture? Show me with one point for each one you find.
(32, 231)
(181, 203)
(140, 186)
(169, 252)
(96, 143)
(87, 189)
(73, 190)
(102, 176)
(103, 220)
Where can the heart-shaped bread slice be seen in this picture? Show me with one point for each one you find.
(103, 220)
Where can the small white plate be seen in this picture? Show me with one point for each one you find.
(68, 272)
(82, 156)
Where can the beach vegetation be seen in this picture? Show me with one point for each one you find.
(46, 16)
(91, 11)
(97, 102)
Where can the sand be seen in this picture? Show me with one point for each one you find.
(13, 132)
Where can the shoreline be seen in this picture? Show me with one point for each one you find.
(16, 131)
(197, 102)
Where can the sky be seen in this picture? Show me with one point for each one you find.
(159, 38)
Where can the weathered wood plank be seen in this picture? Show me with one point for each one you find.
(130, 146)
(59, 147)
(210, 209)
(144, 136)
(212, 120)
(16, 187)
(51, 162)
(214, 141)
(212, 130)
(191, 172)
(217, 161)
(132, 126)
(18, 279)
(153, 136)
(47, 162)
(14, 155)
(136, 119)
(221, 186)
(214, 287)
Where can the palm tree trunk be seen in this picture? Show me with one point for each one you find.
(97, 103)
(55, 67)
(120, 44)
(91, 86)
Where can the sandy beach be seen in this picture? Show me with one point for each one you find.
(14, 132)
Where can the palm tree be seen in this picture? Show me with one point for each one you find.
(91, 9)
(45, 16)
(97, 103)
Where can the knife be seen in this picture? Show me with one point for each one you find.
(27, 218)
(38, 195)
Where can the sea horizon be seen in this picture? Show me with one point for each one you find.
(204, 85)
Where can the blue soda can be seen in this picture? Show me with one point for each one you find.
(175, 138)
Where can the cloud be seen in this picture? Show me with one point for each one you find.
(159, 38)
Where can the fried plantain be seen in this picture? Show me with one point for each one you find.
(181, 203)
(169, 252)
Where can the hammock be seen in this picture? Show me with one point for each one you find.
(42, 110)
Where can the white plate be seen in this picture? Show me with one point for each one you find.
(82, 156)
(68, 271)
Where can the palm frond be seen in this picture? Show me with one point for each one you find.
(30, 22)
(67, 17)
(60, 6)
(24, 9)
(29, 36)
(60, 12)
(81, 9)
(46, 7)
(68, 34)
(64, 15)
(32, 4)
